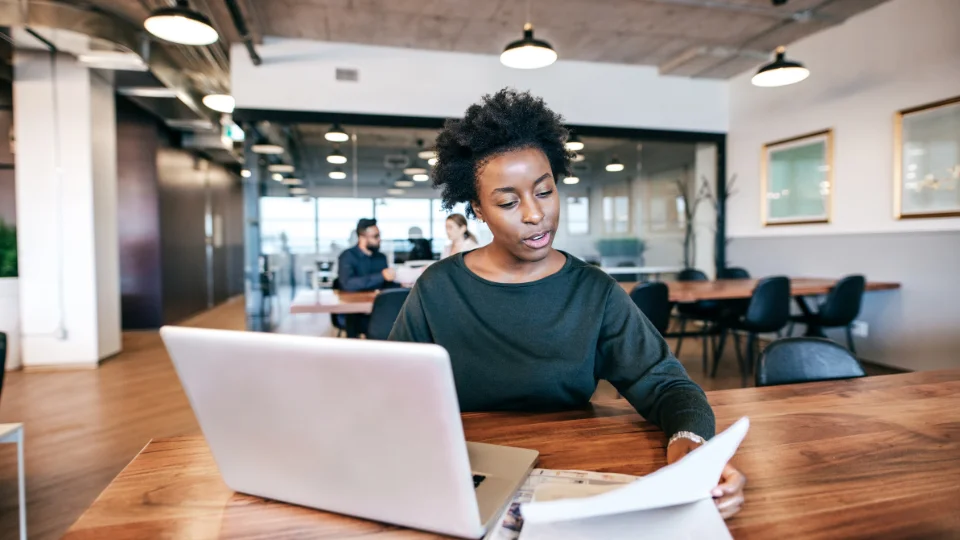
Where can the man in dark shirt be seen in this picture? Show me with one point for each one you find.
(364, 268)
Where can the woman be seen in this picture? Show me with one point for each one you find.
(527, 326)
(460, 238)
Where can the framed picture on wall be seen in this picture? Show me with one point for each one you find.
(797, 180)
(927, 160)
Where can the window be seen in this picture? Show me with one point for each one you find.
(337, 221)
(287, 222)
(440, 240)
(578, 215)
(396, 216)
(616, 211)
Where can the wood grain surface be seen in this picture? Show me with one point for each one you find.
(867, 458)
(331, 301)
(729, 289)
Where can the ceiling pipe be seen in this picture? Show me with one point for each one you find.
(241, 25)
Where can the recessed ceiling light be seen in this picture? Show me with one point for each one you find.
(338, 174)
(614, 165)
(266, 147)
(422, 177)
(410, 171)
(182, 25)
(220, 102)
(246, 173)
(403, 184)
(336, 157)
(529, 52)
(278, 177)
(432, 161)
(337, 134)
(281, 167)
(427, 154)
(570, 180)
(574, 144)
(780, 72)
(395, 191)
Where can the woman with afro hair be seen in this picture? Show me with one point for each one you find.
(529, 327)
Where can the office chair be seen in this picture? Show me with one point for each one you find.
(705, 311)
(733, 272)
(386, 309)
(840, 309)
(806, 359)
(768, 311)
(626, 278)
(653, 299)
(338, 321)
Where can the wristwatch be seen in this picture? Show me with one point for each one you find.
(686, 435)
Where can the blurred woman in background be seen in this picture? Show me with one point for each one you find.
(461, 239)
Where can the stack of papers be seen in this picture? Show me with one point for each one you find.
(673, 502)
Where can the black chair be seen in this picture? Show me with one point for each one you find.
(840, 309)
(768, 311)
(806, 359)
(338, 321)
(706, 311)
(653, 299)
(733, 272)
(386, 308)
(626, 278)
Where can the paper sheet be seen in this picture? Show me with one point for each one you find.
(689, 480)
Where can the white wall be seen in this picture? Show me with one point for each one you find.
(60, 223)
(299, 75)
(901, 54)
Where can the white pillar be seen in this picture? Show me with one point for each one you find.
(66, 173)
(705, 222)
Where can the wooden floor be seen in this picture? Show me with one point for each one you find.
(83, 427)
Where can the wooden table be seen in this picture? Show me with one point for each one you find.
(731, 289)
(867, 458)
(331, 301)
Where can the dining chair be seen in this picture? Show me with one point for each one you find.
(653, 299)
(806, 359)
(768, 311)
(705, 311)
(386, 309)
(839, 310)
(733, 272)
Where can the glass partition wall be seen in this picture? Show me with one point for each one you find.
(634, 199)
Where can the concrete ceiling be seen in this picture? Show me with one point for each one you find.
(696, 38)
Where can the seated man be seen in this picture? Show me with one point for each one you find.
(364, 268)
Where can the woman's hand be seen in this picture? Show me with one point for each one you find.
(729, 493)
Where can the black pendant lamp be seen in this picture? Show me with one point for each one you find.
(780, 72)
(182, 25)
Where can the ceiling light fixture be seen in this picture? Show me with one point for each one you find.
(573, 144)
(292, 182)
(432, 161)
(614, 165)
(395, 192)
(423, 177)
(410, 171)
(264, 146)
(336, 157)
(427, 154)
(223, 103)
(338, 174)
(182, 25)
(571, 180)
(403, 184)
(336, 134)
(579, 157)
(529, 52)
(246, 173)
(780, 72)
(280, 167)
(297, 191)
(278, 177)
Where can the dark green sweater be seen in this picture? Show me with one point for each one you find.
(545, 344)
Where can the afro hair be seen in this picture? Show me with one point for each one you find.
(503, 122)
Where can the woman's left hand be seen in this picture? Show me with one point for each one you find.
(729, 493)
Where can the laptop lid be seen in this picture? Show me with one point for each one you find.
(365, 428)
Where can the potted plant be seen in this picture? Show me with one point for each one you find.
(9, 294)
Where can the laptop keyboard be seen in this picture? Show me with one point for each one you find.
(477, 479)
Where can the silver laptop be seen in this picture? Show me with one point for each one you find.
(364, 428)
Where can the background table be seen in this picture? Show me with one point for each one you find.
(730, 289)
(331, 301)
(867, 458)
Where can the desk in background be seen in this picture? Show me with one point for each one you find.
(877, 457)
